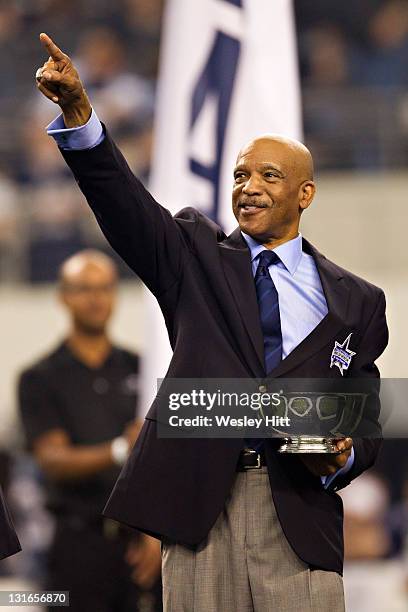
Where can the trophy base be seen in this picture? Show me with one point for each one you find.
(308, 444)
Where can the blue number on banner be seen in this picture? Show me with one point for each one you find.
(216, 80)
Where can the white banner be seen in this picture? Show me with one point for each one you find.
(228, 73)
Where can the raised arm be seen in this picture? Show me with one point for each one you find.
(142, 232)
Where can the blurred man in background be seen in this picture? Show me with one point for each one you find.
(78, 411)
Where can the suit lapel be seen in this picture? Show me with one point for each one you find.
(337, 294)
(236, 261)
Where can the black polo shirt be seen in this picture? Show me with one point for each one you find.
(92, 405)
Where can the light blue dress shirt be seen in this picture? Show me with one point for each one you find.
(302, 303)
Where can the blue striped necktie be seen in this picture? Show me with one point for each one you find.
(268, 304)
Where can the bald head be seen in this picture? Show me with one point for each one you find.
(88, 290)
(74, 268)
(293, 151)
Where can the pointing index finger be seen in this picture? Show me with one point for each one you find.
(54, 51)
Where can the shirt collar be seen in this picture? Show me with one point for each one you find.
(289, 252)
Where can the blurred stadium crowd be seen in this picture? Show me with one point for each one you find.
(354, 69)
(115, 46)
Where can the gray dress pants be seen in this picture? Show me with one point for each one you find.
(246, 564)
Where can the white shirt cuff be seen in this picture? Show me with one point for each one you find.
(327, 480)
(84, 136)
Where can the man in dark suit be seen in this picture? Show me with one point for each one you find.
(241, 529)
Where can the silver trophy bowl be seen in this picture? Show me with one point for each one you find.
(317, 420)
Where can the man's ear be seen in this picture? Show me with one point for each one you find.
(307, 192)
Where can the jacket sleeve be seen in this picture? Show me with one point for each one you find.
(372, 345)
(139, 229)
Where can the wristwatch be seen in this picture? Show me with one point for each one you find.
(119, 450)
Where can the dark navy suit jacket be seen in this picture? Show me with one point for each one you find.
(202, 279)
